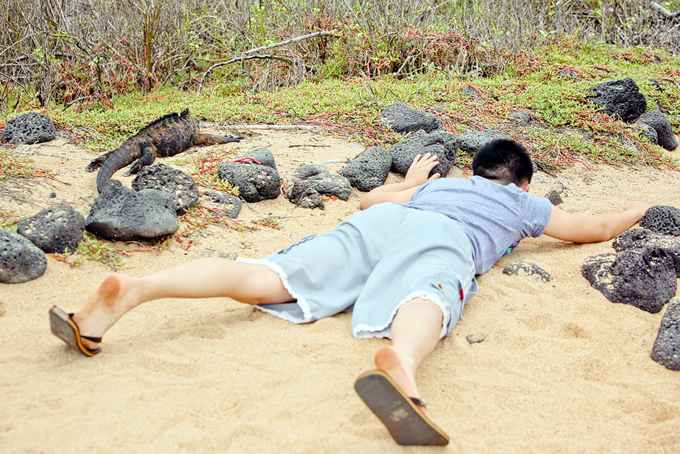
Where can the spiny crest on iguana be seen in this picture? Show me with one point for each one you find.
(167, 136)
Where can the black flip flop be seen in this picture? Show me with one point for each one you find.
(400, 414)
(66, 329)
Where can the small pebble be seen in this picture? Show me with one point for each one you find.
(474, 338)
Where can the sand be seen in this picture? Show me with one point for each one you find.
(562, 370)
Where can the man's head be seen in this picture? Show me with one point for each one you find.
(504, 161)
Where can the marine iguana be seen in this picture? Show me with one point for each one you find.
(169, 135)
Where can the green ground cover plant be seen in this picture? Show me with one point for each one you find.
(12, 165)
(9, 219)
(350, 107)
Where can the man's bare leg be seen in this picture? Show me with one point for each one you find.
(118, 294)
(415, 333)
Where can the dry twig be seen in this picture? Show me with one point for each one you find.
(663, 11)
(258, 49)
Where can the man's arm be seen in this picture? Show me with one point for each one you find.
(402, 192)
(592, 229)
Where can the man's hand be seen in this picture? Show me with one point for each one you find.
(637, 206)
(402, 192)
(420, 169)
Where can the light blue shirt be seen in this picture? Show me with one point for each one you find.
(494, 217)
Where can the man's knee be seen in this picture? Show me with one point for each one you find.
(423, 305)
(265, 286)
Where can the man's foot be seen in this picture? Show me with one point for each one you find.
(405, 421)
(109, 302)
(399, 368)
(63, 326)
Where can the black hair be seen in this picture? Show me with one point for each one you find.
(505, 161)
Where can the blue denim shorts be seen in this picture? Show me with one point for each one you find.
(372, 264)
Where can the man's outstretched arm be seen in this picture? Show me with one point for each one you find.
(402, 192)
(592, 229)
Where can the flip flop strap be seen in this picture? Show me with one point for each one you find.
(418, 402)
(91, 339)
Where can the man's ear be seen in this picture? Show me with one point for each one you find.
(525, 186)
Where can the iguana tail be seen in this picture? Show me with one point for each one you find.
(118, 159)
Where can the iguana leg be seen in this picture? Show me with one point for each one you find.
(97, 162)
(202, 138)
(147, 158)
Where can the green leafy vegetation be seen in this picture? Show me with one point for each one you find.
(350, 107)
(204, 169)
(9, 219)
(17, 166)
(103, 251)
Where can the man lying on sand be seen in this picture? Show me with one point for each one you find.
(405, 265)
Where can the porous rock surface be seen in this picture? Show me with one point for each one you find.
(619, 98)
(644, 278)
(162, 177)
(20, 260)
(303, 194)
(32, 127)
(402, 118)
(662, 219)
(261, 155)
(368, 169)
(255, 182)
(123, 214)
(440, 143)
(527, 269)
(666, 349)
(323, 181)
(471, 141)
(643, 238)
(230, 204)
(660, 124)
(57, 229)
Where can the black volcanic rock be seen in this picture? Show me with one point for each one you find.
(303, 194)
(666, 349)
(180, 185)
(528, 269)
(619, 98)
(471, 141)
(644, 278)
(440, 143)
(255, 182)
(369, 169)
(123, 214)
(662, 219)
(664, 130)
(20, 260)
(57, 229)
(32, 127)
(323, 181)
(402, 118)
(643, 238)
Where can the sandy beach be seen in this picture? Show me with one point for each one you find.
(562, 369)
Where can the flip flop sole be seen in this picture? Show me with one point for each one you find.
(405, 422)
(66, 329)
